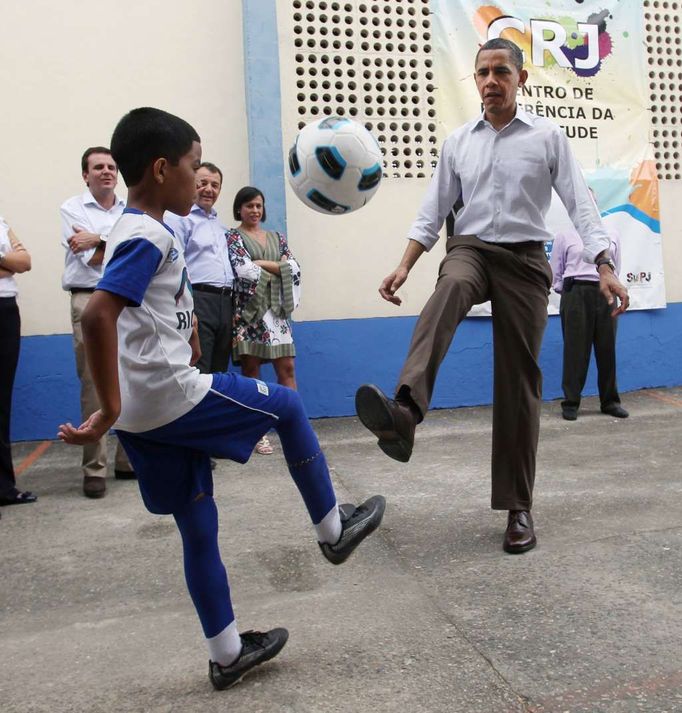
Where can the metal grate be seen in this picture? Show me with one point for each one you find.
(663, 25)
(371, 61)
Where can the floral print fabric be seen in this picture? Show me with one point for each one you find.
(263, 302)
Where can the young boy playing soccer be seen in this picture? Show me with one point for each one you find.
(170, 418)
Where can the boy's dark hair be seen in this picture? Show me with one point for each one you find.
(244, 195)
(501, 44)
(89, 152)
(146, 134)
(213, 169)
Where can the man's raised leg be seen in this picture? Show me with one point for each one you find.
(462, 282)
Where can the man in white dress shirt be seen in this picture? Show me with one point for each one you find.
(86, 221)
(499, 170)
(202, 236)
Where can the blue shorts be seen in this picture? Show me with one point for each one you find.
(172, 462)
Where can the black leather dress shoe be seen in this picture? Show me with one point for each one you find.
(570, 413)
(520, 535)
(392, 422)
(17, 497)
(615, 410)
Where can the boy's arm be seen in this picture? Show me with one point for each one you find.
(194, 341)
(101, 349)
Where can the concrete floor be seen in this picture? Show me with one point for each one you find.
(429, 615)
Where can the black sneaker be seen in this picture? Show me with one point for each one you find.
(356, 524)
(257, 647)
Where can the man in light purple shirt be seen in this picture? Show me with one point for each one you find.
(208, 266)
(500, 169)
(586, 321)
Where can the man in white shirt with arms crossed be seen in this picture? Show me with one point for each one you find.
(501, 168)
(86, 221)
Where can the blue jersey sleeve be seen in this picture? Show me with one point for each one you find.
(130, 269)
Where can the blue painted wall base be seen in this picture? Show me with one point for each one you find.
(336, 356)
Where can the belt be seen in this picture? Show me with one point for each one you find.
(76, 290)
(213, 289)
(590, 283)
(524, 245)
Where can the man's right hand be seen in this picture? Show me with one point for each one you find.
(81, 240)
(390, 285)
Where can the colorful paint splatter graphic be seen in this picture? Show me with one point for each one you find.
(576, 47)
(587, 72)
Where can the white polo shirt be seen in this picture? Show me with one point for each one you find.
(144, 264)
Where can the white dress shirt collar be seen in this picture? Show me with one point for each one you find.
(89, 199)
(198, 209)
(521, 115)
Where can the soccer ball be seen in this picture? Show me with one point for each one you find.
(335, 165)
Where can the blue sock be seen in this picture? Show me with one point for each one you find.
(204, 571)
(306, 462)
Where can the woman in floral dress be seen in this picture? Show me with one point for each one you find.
(266, 292)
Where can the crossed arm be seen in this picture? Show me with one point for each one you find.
(17, 260)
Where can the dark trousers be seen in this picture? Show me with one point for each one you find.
(10, 329)
(586, 322)
(516, 278)
(214, 312)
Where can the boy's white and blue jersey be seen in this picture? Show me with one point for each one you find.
(144, 263)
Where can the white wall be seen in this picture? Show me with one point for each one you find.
(671, 231)
(68, 72)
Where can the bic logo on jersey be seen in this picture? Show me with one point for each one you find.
(185, 319)
(184, 316)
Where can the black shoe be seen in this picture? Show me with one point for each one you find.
(94, 487)
(125, 475)
(570, 413)
(392, 422)
(257, 648)
(17, 497)
(356, 524)
(615, 410)
(520, 534)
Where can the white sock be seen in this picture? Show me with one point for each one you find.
(224, 648)
(329, 528)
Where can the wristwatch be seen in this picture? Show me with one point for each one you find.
(606, 261)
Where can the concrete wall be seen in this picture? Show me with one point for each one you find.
(194, 62)
(68, 72)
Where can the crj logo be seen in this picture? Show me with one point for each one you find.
(549, 36)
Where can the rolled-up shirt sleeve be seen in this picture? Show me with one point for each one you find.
(557, 262)
(443, 191)
(568, 181)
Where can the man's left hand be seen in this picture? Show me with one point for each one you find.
(613, 290)
(81, 240)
